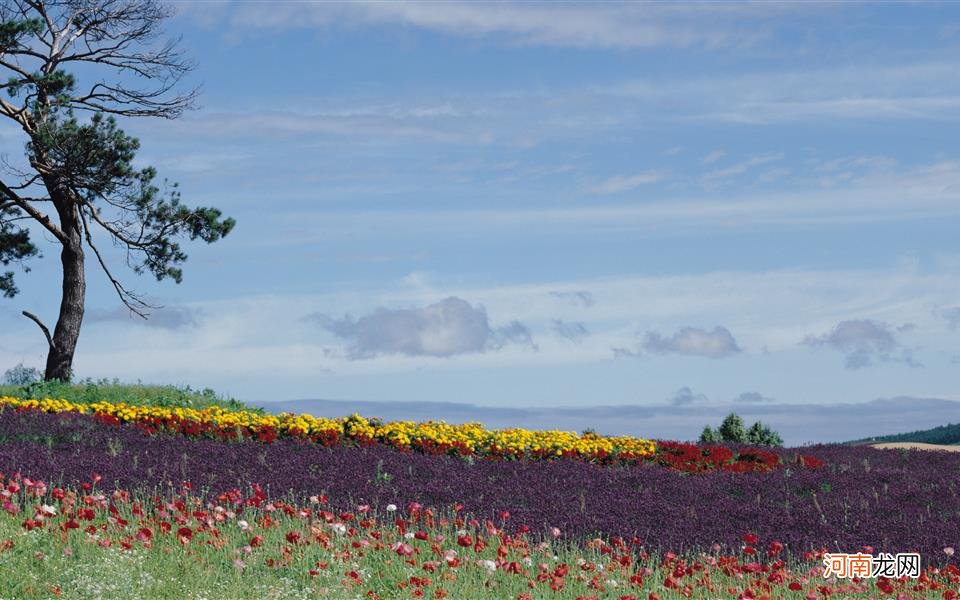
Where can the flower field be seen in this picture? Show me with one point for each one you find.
(468, 440)
(119, 501)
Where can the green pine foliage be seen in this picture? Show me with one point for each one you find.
(733, 430)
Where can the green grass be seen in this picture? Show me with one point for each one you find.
(88, 391)
(50, 564)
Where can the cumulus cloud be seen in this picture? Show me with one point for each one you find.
(575, 332)
(693, 341)
(514, 332)
(447, 328)
(752, 398)
(685, 396)
(864, 342)
(952, 317)
(576, 297)
(169, 317)
(624, 352)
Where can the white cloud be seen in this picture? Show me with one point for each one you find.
(951, 316)
(576, 297)
(630, 25)
(575, 331)
(246, 341)
(713, 157)
(752, 397)
(864, 341)
(626, 183)
(446, 328)
(685, 397)
(741, 167)
(924, 191)
(692, 341)
(847, 91)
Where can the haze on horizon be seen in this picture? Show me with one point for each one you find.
(532, 205)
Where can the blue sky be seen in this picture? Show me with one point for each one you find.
(552, 205)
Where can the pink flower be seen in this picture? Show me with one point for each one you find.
(948, 550)
(402, 549)
(555, 532)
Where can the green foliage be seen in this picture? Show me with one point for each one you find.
(761, 435)
(83, 167)
(15, 246)
(94, 160)
(944, 434)
(21, 375)
(89, 390)
(12, 33)
(709, 436)
(733, 430)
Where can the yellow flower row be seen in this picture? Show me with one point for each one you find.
(431, 436)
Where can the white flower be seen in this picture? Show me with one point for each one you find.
(338, 528)
(489, 565)
(391, 507)
(243, 525)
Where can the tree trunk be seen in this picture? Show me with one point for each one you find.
(67, 331)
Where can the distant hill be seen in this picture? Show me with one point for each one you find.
(944, 434)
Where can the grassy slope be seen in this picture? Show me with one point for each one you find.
(88, 391)
(945, 434)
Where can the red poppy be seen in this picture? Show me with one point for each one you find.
(184, 534)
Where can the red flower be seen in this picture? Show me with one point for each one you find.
(145, 534)
(256, 540)
(185, 534)
(293, 537)
(465, 540)
(749, 538)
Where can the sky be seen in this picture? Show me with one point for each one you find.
(551, 205)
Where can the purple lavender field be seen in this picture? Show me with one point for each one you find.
(891, 500)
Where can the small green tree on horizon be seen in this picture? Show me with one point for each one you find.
(77, 184)
(21, 375)
(733, 430)
(709, 436)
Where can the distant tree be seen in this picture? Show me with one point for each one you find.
(80, 183)
(21, 375)
(733, 430)
(762, 435)
(709, 436)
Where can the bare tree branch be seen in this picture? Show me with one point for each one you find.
(131, 300)
(43, 327)
(28, 208)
